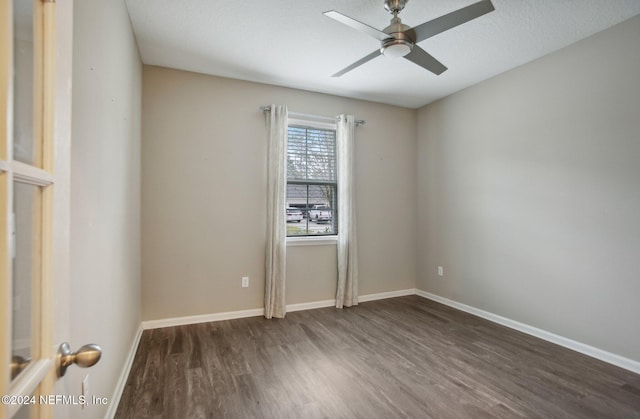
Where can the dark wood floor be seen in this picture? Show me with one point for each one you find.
(395, 358)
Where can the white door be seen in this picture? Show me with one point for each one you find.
(35, 106)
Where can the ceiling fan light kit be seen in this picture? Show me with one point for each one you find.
(396, 48)
(399, 40)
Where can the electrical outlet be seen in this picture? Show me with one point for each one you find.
(245, 281)
(440, 271)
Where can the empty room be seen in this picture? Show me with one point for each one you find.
(323, 209)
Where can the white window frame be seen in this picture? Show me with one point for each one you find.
(327, 240)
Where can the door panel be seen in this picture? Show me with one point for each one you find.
(31, 198)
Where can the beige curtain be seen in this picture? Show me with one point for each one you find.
(347, 290)
(274, 287)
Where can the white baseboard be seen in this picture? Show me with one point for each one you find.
(591, 351)
(201, 318)
(383, 295)
(311, 305)
(124, 375)
(361, 299)
(240, 314)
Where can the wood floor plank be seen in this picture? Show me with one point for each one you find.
(403, 357)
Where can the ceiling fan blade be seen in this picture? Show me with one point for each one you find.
(359, 26)
(425, 60)
(451, 20)
(358, 63)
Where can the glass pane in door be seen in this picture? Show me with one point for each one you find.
(24, 147)
(25, 249)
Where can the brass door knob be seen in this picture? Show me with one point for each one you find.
(85, 357)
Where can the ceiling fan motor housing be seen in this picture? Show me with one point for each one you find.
(400, 41)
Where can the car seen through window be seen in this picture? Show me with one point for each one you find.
(294, 215)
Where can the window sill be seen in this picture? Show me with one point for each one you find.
(312, 241)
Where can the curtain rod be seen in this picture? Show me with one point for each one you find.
(308, 115)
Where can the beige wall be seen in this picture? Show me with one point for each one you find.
(204, 196)
(105, 193)
(529, 193)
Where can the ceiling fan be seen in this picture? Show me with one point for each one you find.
(399, 40)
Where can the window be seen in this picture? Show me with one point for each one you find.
(311, 182)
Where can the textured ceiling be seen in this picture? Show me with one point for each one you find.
(291, 43)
